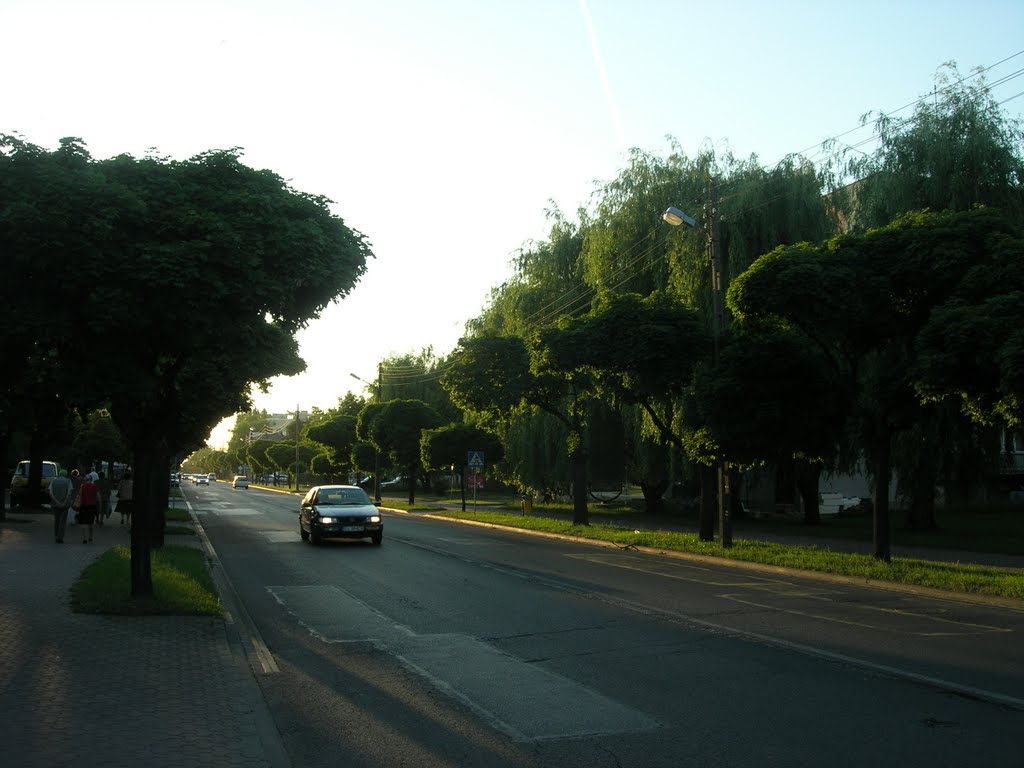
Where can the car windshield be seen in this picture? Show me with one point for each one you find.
(342, 496)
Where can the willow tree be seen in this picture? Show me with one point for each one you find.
(623, 247)
(629, 249)
(547, 284)
(957, 150)
(415, 377)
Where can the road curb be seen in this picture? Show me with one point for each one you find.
(248, 647)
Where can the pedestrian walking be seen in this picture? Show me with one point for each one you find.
(88, 505)
(62, 493)
(104, 485)
(124, 497)
(76, 480)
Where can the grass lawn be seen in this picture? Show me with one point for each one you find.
(182, 585)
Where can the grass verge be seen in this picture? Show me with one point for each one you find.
(953, 577)
(182, 585)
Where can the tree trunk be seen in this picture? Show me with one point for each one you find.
(921, 515)
(142, 575)
(708, 502)
(883, 469)
(159, 488)
(578, 465)
(5, 481)
(807, 476)
(412, 484)
(654, 497)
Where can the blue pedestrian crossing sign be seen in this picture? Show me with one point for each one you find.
(476, 459)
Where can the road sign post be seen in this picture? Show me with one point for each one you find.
(475, 460)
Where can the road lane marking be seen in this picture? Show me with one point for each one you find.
(281, 537)
(681, 572)
(785, 589)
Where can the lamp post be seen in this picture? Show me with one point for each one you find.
(676, 218)
(296, 447)
(376, 450)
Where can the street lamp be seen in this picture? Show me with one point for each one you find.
(376, 450)
(296, 447)
(677, 218)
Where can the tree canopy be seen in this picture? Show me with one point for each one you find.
(154, 287)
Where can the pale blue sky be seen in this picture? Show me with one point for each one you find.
(443, 129)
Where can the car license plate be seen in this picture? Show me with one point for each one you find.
(351, 528)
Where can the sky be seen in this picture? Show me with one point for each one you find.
(444, 131)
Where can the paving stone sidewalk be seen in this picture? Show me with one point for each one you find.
(82, 690)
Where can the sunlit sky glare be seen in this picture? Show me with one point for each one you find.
(444, 130)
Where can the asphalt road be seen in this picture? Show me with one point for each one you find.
(455, 645)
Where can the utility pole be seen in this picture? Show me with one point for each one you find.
(378, 396)
(676, 218)
(376, 452)
(296, 447)
(718, 326)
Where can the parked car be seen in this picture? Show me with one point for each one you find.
(339, 512)
(240, 481)
(395, 483)
(175, 482)
(19, 480)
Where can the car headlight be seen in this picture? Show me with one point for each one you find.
(326, 519)
(374, 518)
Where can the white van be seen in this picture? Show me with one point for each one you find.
(19, 481)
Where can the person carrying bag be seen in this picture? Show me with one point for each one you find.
(88, 504)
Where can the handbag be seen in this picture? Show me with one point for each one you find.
(78, 500)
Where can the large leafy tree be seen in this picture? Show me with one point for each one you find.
(641, 350)
(905, 273)
(136, 237)
(771, 399)
(338, 435)
(396, 429)
(972, 348)
(498, 376)
(958, 149)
